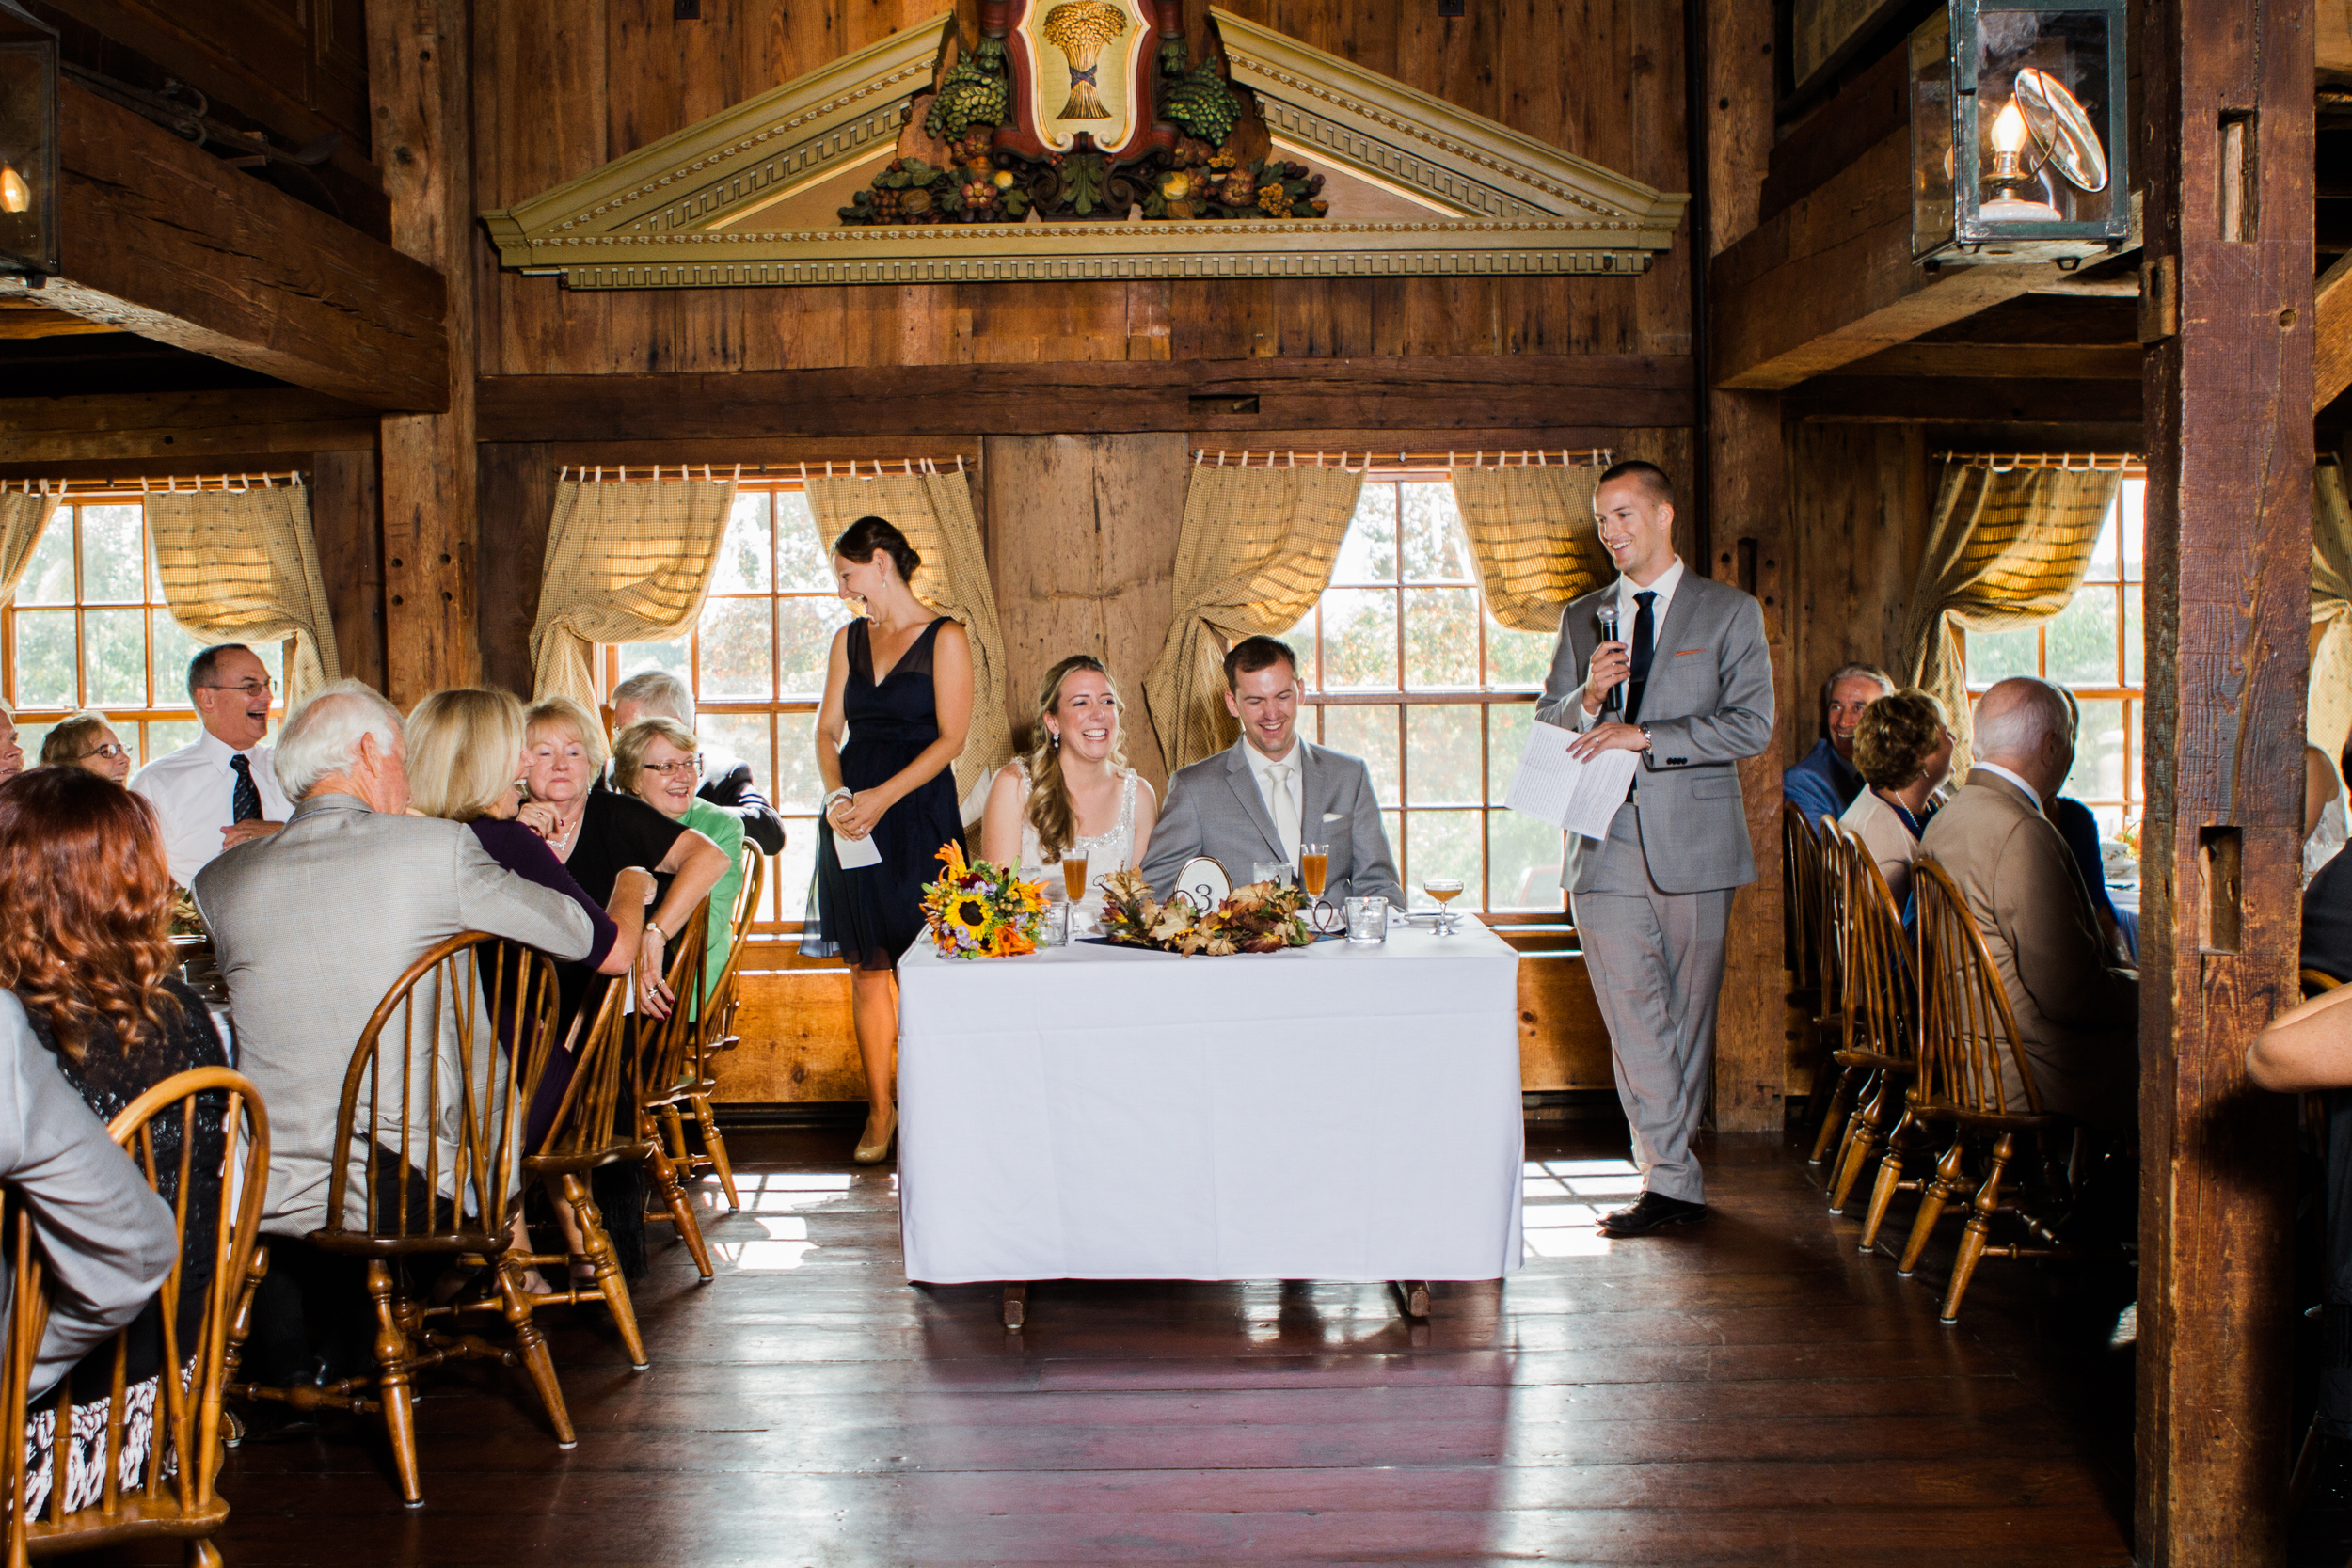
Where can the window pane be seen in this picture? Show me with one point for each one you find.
(1358, 639)
(1433, 551)
(798, 784)
(1368, 554)
(170, 651)
(110, 554)
(743, 564)
(2103, 553)
(1524, 855)
(1301, 638)
(795, 866)
(165, 738)
(2082, 640)
(1441, 756)
(1441, 636)
(2130, 501)
(1995, 656)
(1369, 733)
(2138, 777)
(2134, 638)
(1443, 844)
(742, 737)
(804, 629)
(114, 654)
(28, 739)
(49, 575)
(736, 650)
(802, 564)
(1518, 657)
(2098, 772)
(1506, 739)
(45, 656)
(637, 658)
(1390, 826)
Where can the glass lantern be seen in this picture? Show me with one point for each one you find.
(2018, 143)
(28, 143)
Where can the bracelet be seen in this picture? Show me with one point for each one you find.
(826, 808)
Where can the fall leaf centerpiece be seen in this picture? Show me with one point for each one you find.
(978, 909)
(1262, 917)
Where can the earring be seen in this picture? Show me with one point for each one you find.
(1057, 735)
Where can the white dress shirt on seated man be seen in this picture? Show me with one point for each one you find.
(195, 789)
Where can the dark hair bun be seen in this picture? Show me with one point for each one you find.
(862, 539)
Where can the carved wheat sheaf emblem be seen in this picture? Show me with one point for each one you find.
(1080, 30)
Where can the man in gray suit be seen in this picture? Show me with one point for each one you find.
(315, 923)
(1272, 792)
(1689, 690)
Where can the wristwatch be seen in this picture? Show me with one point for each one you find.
(1644, 729)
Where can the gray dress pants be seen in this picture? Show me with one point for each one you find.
(1656, 960)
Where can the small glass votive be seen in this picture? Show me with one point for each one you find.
(1056, 924)
(1276, 872)
(1367, 919)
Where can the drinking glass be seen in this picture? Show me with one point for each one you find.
(1314, 864)
(1444, 890)
(1367, 919)
(1276, 872)
(1056, 932)
(1074, 875)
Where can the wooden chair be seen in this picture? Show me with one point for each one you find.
(1881, 1014)
(1829, 1026)
(1967, 1026)
(664, 1077)
(2317, 982)
(184, 1436)
(1801, 907)
(715, 1033)
(436, 1115)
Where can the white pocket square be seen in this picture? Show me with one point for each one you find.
(1335, 816)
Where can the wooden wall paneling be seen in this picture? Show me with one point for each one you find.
(1564, 1041)
(2229, 506)
(516, 490)
(1859, 528)
(798, 1043)
(347, 523)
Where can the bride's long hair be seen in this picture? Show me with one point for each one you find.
(1050, 810)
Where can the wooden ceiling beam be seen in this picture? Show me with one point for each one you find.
(166, 241)
(1938, 399)
(1829, 281)
(2003, 361)
(147, 428)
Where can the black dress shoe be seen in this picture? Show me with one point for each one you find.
(1654, 1211)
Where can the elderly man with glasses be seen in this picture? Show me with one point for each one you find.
(222, 789)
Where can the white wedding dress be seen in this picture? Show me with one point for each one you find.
(1105, 852)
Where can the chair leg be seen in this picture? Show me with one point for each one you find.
(1834, 1119)
(391, 1358)
(689, 1229)
(1889, 1182)
(674, 1136)
(716, 1146)
(203, 1554)
(531, 1345)
(597, 1246)
(1862, 1138)
(1980, 1228)
(1939, 1192)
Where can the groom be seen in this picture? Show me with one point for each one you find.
(1273, 791)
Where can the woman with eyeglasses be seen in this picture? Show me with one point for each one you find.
(656, 760)
(88, 742)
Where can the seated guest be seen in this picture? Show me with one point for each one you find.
(87, 741)
(94, 976)
(2324, 826)
(11, 752)
(2327, 920)
(1075, 779)
(1272, 792)
(2081, 829)
(220, 790)
(654, 759)
(726, 779)
(1825, 782)
(1904, 748)
(2077, 1015)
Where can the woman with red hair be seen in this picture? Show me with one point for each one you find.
(89, 956)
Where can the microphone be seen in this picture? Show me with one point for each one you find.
(1613, 699)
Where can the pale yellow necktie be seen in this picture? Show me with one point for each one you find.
(1286, 808)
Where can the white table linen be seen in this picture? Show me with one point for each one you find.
(1102, 1112)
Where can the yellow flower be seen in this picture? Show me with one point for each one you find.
(969, 913)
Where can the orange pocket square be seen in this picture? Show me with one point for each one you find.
(1686, 653)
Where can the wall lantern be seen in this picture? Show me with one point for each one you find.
(28, 143)
(2018, 145)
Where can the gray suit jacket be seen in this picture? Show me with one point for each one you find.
(108, 1240)
(1708, 703)
(313, 926)
(1214, 808)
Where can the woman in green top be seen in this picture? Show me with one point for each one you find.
(655, 760)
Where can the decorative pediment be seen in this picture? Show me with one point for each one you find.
(1414, 186)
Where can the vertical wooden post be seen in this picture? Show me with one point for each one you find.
(2228, 387)
(418, 89)
(1746, 529)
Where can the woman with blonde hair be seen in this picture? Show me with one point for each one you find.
(1076, 778)
(657, 760)
(87, 741)
(1903, 750)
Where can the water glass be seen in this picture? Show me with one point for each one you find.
(1056, 924)
(1276, 872)
(1367, 919)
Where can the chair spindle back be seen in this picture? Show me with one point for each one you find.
(1968, 1021)
(1801, 897)
(1882, 981)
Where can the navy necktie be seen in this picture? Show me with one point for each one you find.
(244, 800)
(1645, 644)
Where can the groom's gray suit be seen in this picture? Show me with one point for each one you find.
(1215, 808)
(1652, 899)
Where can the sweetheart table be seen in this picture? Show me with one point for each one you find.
(1091, 1111)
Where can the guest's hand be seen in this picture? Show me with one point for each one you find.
(855, 817)
(653, 993)
(1608, 737)
(641, 883)
(246, 833)
(1612, 666)
(539, 817)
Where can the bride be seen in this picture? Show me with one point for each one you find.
(1074, 793)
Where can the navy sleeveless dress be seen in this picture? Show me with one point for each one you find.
(871, 915)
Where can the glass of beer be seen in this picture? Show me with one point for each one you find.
(1314, 863)
(1444, 890)
(1073, 876)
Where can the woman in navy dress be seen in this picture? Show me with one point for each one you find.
(899, 686)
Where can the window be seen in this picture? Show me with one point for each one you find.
(1404, 668)
(2092, 648)
(757, 663)
(89, 629)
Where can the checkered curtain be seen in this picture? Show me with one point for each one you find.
(241, 567)
(1534, 536)
(625, 562)
(23, 517)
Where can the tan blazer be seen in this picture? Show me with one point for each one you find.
(1887, 841)
(2078, 1014)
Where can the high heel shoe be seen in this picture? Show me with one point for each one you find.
(879, 1150)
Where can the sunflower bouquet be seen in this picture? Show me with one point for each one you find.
(1262, 917)
(980, 911)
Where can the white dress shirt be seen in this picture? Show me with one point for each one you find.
(2000, 772)
(1627, 609)
(194, 791)
(1284, 812)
